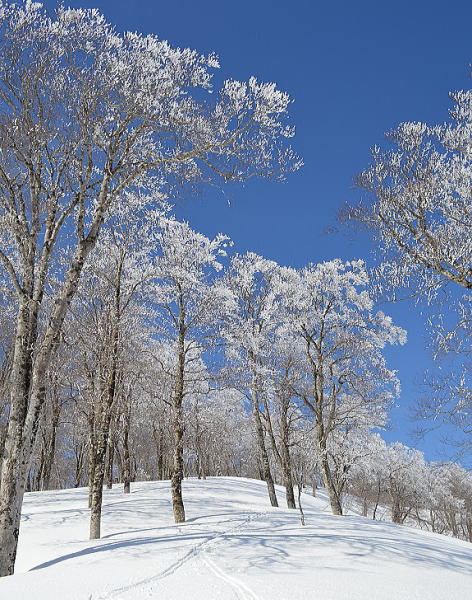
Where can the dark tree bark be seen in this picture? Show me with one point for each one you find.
(80, 453)
(110, 459)
(126, 454)
(48, 446)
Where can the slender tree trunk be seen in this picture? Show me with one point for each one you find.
(99, 455)
(264, 464)
(96, 489)
(106, 401)
(126, 456)
(286, 462)
(177, 463)
(302, 514)
(91, 460)
(50, 449)
(178, 467)
(177, 422)
(109, 462)
(288, 483)
(160, 467)
(374, 512)
(159, 442)
(79, 465)
(264, 457)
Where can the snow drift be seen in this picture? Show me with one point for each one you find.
(233, 545)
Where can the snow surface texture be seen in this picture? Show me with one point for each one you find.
(233, 546)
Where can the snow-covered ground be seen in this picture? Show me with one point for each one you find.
(234, 545)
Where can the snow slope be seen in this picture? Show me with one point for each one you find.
(234, 545)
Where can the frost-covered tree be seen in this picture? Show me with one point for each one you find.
(405, 480)
(219, 438)
(420, 211)
(366, 478)
(347, 448)
(283, 419)
(107, 318)
(87, 113)
(190, 307)
(394, 481)
(251, 283)
(345, 382)
(421, 206)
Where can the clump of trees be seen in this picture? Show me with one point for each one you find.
(394, 481)
(90, 120)
(133, 347)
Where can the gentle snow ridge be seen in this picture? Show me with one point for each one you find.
(234, 545)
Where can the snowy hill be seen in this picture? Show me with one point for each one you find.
(234, 545)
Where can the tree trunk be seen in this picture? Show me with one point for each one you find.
(99, 449)
(17, 450)
(159, 442)
(177, 422)
(264, 457)
(178, 465)
(126, 458)
(302, 514)
(286, 462)
(288, 483)
(28, 379)
(109, 461)
(396, 513)
(96, 489)
(105, 405)
(50, 449)
(160, 467)
(374, 512)
(334, 499)
(79, 464)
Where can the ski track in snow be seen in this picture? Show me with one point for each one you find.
(235, 547)
(243, 592)
(200, 550)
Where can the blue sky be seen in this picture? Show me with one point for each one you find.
(355, 70)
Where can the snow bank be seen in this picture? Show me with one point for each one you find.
(234, 545)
